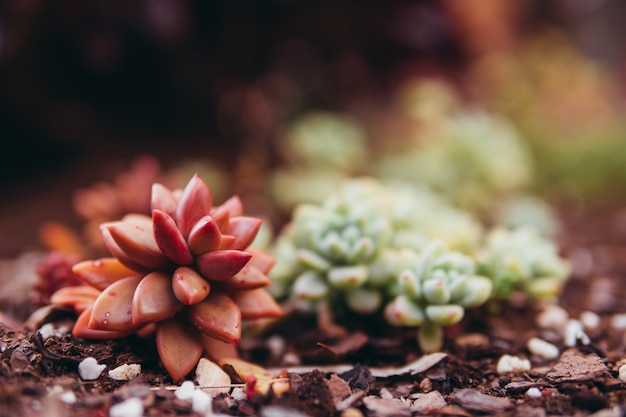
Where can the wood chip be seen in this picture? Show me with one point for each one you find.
(381, 407)
(473, 400)
(573, 366)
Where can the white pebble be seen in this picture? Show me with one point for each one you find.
(185, 392)
(534, 392)
(541, 348)
(131, 407)
(68, 397)
(202, 403)
(552, 317)
(385, 394)
(238, 394)
(89, 369)
(125, 372)
(508, 364)
(622, 373)
(618, 321)
(47, 330)
(210, 374)
(589, 319)
(574, 332)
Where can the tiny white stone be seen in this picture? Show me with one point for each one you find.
(541, 348)
(385, 394)
(47, 330)
(131, 407)
(574, 332)
(68, 397)
(618, 321)
(622, 373)
(589, 319)
(238, 394)
(508, 364)
(534, 392)
(89, 369)
(202, 403)
(185, 392)
(210, 374)
(552, 317)
(125, 372)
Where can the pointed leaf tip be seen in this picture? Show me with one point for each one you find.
(154, 299)
(195, 203)
(169, 238)
(138, 244)
(205, 236)
(244, 229)
(189, 286)
(179, 346)
(112, 310)
(217, 316)
(221, 264)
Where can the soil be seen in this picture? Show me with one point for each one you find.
(337, 375)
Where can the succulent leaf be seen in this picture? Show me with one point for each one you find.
(118, 253)
(82, 329)
(163, 199)
(205, 236)
(100, 273)
(222, 264)
(445, 315)
(261, 260)
(189, 287)
(217, 316)
(169, 239)
(255, 304)
(364, 300)
(138, 244)
(401, 311)
(248, 278)
(244, 229)
(154, 299)
(348, 276)
(179, 346)
(79, 297)
(310, 285)
(112, 310)
(195, 203)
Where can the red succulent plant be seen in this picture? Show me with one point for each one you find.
(188, 273)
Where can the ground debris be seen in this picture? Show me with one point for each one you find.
(574, 366)
(473, 400)
(381, 407)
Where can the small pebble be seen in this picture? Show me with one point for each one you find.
(47, 330)
(68, 397)
(590, 320)
(618, 321)
(210, 374)
(201, 402)
(534, 392)
(574, 332)
(185, 392)
(508, 364)
(88, 369)
(541, 348)
(552, 317)
(131, 407)
(125, 372)
(622, 373)
(238, 394)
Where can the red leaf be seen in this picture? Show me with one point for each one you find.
(256, 304)
(154, 299)
(138, 244)
(222, 264)
(100, 273)
(163, 199)
(169, 239)
(179, 346)
(112, 309)
(119, 253)
(195, 203)
(81, 329)
(216, 349)
(261, 260)
(217, 316)
(79, 297)
(244, 229)
(249, 278)
(189, 286)
(204, 236)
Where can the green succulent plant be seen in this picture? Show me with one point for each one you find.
(434, 291)
(521, 260)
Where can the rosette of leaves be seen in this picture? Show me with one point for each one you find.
(521, 260)
(187, 273)
(434, 292)
(334, 252)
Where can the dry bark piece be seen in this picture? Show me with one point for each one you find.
(381, 407)
(472, 400)
(574, 366)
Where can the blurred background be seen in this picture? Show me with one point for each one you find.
(87, 87)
